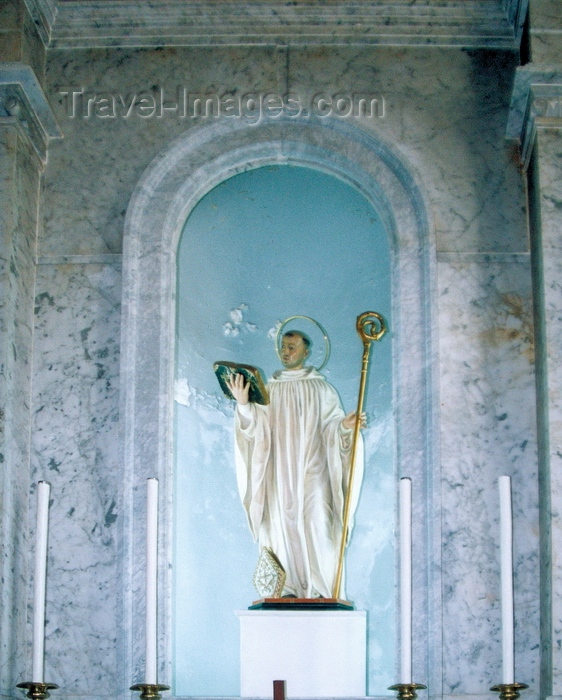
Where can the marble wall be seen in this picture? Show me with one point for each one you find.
(445, 112)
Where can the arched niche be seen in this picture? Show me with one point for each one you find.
(261, 246)
(167, 192)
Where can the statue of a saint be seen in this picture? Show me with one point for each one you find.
(292, 461)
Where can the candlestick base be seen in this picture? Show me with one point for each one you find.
(509, 691)
(36, 690)
(407, 691)
(149, 691)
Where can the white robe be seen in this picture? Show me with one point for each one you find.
(292, 462)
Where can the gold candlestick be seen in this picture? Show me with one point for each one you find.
(407, 691)
(36, 690)
(509, 691)
(149, 691)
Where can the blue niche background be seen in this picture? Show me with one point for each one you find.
(262, 246)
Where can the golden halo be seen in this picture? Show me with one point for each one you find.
(306, 318)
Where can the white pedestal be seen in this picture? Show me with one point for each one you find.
(321, 653)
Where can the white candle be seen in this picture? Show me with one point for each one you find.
(151, 580)
(506, 537)
(39, 581)
(405, 580)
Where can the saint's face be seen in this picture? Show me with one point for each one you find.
(293, 352)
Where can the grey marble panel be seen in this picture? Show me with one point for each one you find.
(75, 448)
(487, 429)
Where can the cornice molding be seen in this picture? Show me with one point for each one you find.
(116, 23)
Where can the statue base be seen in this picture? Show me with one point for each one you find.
(301, 604)
(320, 653)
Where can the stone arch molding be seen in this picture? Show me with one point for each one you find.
(166, 193)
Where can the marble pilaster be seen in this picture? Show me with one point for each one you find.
(19, 192)
(539, 89)
(547, 199)
(24, 114)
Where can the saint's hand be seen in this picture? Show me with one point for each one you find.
(349, 421)
(239, 388)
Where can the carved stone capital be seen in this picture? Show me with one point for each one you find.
(536, 102)
(23, 101)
